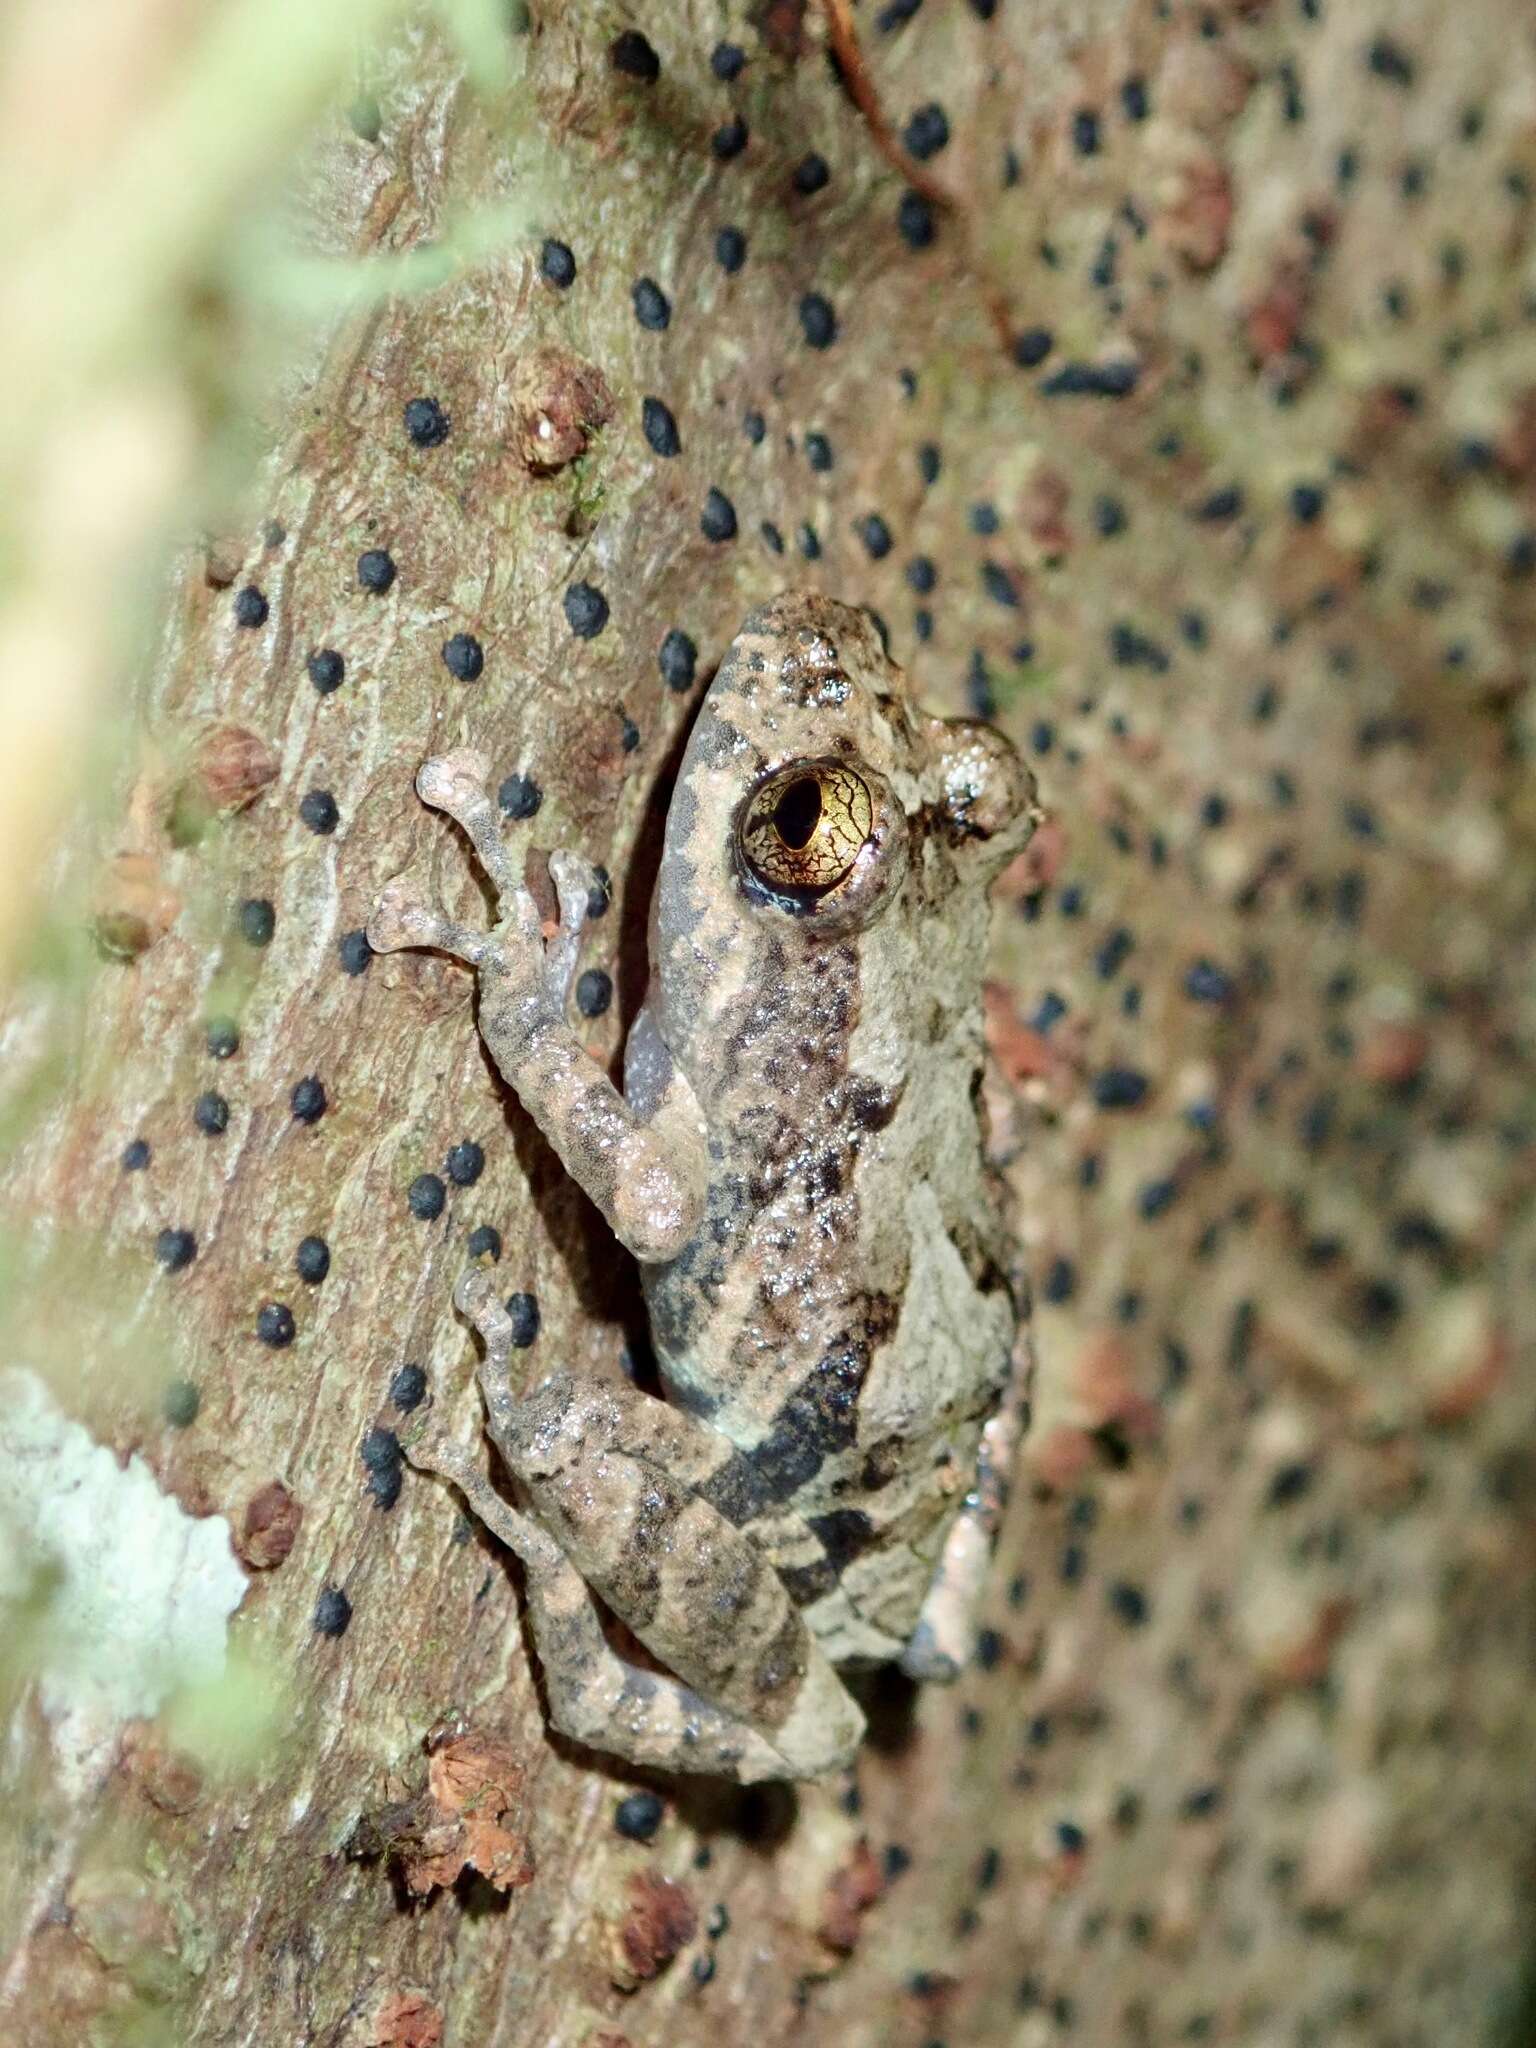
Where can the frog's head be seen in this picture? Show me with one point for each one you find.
(810, 785)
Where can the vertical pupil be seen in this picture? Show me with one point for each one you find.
(797, 812)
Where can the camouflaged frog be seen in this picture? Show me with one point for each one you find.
(796, 1163)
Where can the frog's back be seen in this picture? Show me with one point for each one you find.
(841, 1317)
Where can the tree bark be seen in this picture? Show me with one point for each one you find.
(1205, 407)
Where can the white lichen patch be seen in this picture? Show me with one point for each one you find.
(120, 1596)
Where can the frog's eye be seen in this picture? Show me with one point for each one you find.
(804, 828)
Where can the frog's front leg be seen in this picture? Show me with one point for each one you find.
(609, 1476)
(648, 1174)
(942, 1643)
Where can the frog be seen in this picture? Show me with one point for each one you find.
(796, 1161)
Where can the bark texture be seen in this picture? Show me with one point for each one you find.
(1197, 439)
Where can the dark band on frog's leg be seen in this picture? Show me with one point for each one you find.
(817, 1420)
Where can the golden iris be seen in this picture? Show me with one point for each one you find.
(806, 826)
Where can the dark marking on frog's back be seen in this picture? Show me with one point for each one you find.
(649, 1533)
(713, 742)
(870, 1106)
(789, 1120)
(818, 1420)
(844, 1534)
(682, 817)
(823, 1179)
(882, 1462)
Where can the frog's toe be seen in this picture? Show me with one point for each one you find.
(929, 1660)
(400, 921)
(392, 917)
(574, 880)
(520, 925)
(475, 1297)
(453, 782)
(457, 783)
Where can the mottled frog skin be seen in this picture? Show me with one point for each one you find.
(796, 1162)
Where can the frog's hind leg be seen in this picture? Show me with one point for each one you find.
(781, 1711)
(594, 1695)
(944, 1638)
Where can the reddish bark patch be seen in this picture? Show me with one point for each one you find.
(231, 766)
(1104, 1385)
(660, 1919)
(468, 1819)
(1304, 1659)
(166, 1779)
(1473, 1385)
(1059, 1457)
(135, 906)
(1043, 506)
(1038, 865)
(852, 1890)
(1273, 323)
(1516, 444)
(559, 402)
(1196, 224)
(1392, 1054)
(271, 1524)
(406, 2019)
(781, 24)
(1021, 1054)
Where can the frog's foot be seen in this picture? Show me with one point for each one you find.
(646, 1717)
(401, 921)
(457, 784)
(440, 1455)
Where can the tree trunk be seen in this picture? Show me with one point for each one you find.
(1181, 416)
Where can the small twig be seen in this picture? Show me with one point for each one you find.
(861, 89)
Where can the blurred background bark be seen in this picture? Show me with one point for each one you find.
(1178, 409)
